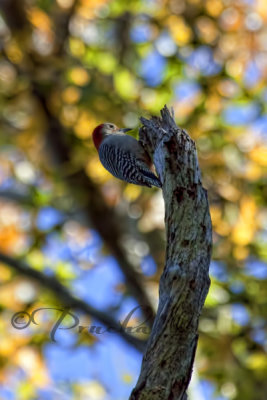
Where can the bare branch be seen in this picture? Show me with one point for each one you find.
(16, 196)
(63, 295)
(102, 217)
(14, 12)
(105, 220)
(168, 360)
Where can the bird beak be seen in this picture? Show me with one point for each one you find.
(124, 130)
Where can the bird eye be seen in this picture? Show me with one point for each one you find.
(111, 126)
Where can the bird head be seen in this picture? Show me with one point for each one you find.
(103, 130)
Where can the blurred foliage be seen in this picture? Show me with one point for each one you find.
(68, 65)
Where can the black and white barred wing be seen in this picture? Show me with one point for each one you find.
(123, 164)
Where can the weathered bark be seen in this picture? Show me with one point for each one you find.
(168, 360)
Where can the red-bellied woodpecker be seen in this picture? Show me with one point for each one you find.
(123, 156)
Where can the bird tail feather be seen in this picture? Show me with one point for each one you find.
(151, 178)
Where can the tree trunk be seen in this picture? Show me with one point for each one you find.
(169, 356)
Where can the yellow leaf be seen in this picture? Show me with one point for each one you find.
(39, 19)
(79, 76)
(216, 214)
(5, 273)
(109, 65)
(181, 32)
(13, 51)
(257, 361)
(244, 230)
(96, 170)
(36, 259)
(242, 234)
(25, 391)
(77, 47)
(223, 228)
(131, 192)
(216, 295)
(253, 172)
(71, 95)
(240, 252)
(229, 192)
(125, 84)
(214, 7)
(85, 125)
(64, 271)
(248, 208)
(127, 378)
(259, 155)
(261, 7)
(235, 68)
